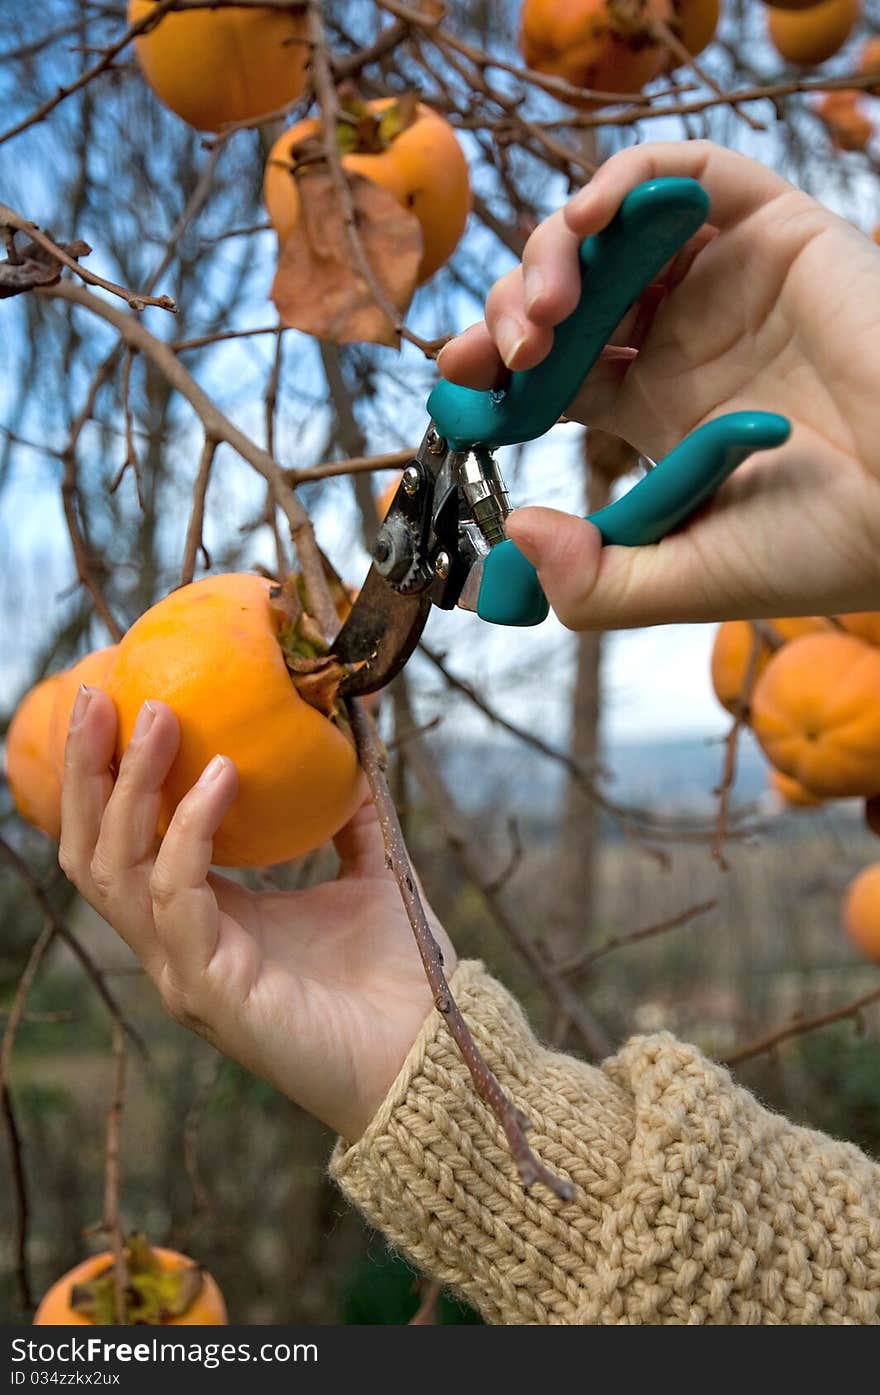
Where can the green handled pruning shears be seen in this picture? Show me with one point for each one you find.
(442, 542)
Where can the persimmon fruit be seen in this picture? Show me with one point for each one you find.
(861, 912)
(213, 652)
(812, 36)
(30, 770)
(401, 145)
(791, 792)
(217, 67)
(694, 23)
(864, 623)
(163, 1288)
(606, 45)
(816, 714)
(385, 498)
(869, 62)
(849, 126)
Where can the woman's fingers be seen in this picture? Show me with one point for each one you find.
(360, 844)
(86, 787)
(736, 185)
(184, 906)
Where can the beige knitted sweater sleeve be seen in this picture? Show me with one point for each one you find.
(693, 1203)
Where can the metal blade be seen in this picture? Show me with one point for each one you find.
(383, 628)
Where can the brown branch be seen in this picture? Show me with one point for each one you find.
(633, 937)
(197, 516)
(135, 300)
(219, 427)
(41, 897)
(112, 1221)
(799, 1026)
(355, 464)
(731, 747)
(465, 847)
(19, 1174)
(530, 1168)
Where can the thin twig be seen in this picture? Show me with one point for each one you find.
(135, 300)
(530, 1168)
(197, 515)
(13, 1133)
(799, 1026)
(647, 932)
(39, 894)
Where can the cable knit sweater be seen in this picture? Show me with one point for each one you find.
(693, 1203)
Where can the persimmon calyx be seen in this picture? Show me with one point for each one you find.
(153, 1294)
(316, 673)
(359, 130)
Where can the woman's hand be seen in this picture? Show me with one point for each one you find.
(778, 310)
(321, 991)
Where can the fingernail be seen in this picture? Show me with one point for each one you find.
(533, 285)
(510, 337)
(144, 722)
(80, 706)
(212, 770)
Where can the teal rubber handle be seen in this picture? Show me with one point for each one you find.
(510, 593)
(653, 222)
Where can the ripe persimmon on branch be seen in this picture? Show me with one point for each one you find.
(222, 442)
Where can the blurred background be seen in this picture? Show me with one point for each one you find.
(586, 772)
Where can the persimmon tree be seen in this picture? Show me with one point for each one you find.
(223, 308)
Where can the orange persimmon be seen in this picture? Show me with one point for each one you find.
(30, 770)
(848, 125)
(864, 623)
(791, 792)
(216, 67)
(861, 912)
(694, 23)
(162, 1288)
(601, 44)
(809, 37)
(213, 651)
(403, 146)
(816, 714)
(731, 652)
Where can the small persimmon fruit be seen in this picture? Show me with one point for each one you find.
(404, 146)
(162, 1288)
(869, 62)
(694, 23)
(816, 713)
(213, 652)
(861, 912)
(809, 37)
(732, 651)
(864, 623)
(848, 125)
(605, 45)
(217, 67)
(30, 770)
(791, 792)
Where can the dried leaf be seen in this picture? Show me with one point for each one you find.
(35, 266)
(317, 287)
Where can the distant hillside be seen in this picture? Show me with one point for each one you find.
(672, 777)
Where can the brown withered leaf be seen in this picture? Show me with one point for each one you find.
(318, 289)
(35, 266)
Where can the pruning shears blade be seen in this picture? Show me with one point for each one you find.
(381, 632)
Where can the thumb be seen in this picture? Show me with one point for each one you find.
(591, 587)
